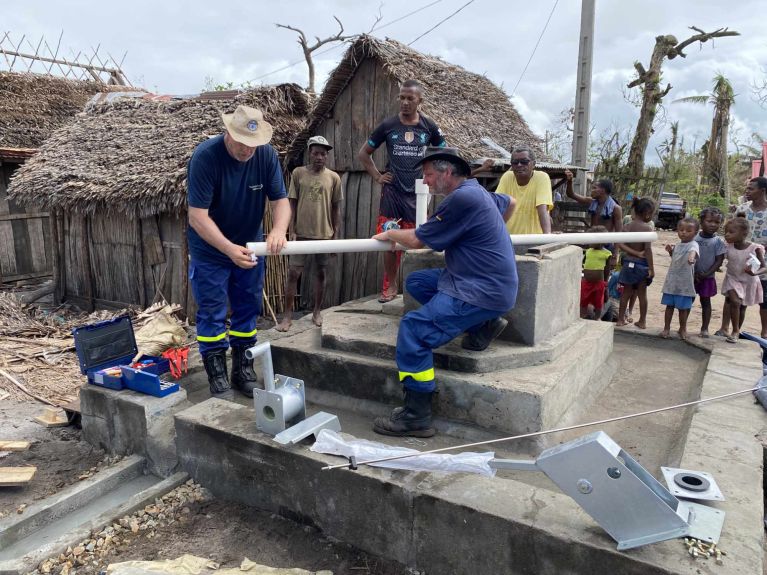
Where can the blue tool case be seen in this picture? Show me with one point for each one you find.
(101, 347)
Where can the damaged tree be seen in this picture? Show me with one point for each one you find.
(649, 80)
(307, 49)
(715, 163)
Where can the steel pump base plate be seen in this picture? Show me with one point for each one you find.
(702, 486)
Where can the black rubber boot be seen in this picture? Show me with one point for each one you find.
(215, 367)
(480, 340)
(244, 378)
(414, 419)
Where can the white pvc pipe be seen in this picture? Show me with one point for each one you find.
(368, 245)
(421, 202)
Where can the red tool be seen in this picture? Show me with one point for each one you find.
(177, 359)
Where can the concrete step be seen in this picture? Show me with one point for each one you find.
(50, 525)
(512, 400)
(375, 335)
(441, 523)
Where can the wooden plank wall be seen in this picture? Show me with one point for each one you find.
(370, 97)
(25, 236)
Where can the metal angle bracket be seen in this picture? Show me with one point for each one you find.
(309, 426)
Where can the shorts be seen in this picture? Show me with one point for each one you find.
(681, 302)
(634, 272)
(593, 293)
(763, 305)
(706, 287)
(403, 225)
(299, 260)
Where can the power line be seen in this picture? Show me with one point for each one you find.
(514, 91)
(335, 47)
(442, 22)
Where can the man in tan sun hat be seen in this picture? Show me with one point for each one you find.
(230, 178)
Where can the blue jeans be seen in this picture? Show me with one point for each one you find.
(439, 319)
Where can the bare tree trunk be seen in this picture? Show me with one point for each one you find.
(652, 94)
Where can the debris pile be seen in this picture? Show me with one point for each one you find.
(37, 353)
(90, 553)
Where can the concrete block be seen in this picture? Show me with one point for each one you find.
(512, 400)
(549, 291)
(126, 422)
(220, 447)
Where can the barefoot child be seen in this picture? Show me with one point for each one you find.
(679, 287)
(595, 269)
(637, 268)
(741, 285)
(710, 258)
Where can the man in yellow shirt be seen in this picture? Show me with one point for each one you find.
(532, 191)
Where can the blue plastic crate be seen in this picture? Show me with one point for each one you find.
(102, 345)
(143, 381)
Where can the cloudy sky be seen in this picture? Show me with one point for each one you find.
(176, 46)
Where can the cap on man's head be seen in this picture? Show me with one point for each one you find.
(247, 126)
(452, 155)
(318, 141)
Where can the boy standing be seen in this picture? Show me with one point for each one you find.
(315, 199)
(595, 270)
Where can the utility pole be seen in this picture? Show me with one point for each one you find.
(583, 94)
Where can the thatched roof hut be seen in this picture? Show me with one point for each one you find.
(115, 180)
(131, 154)
(33, 106)
(466, 106)
(361, 92)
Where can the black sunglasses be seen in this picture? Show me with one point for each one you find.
(520, 162)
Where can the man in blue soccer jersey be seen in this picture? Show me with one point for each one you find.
(231, 177)
(405, 135)
(476, 287)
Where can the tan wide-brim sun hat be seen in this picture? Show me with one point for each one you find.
(247, 126)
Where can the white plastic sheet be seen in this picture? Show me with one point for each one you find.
(335, 443)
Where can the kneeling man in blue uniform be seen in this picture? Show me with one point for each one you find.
(230, 178)
(477, 286)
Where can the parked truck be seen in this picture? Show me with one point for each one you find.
(671, 209)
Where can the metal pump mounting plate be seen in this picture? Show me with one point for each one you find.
(677, 478)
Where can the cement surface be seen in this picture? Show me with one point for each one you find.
(375, 335)
(468, 524)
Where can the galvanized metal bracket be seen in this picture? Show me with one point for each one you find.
(309, 426)
(619, 494)
(689, 484)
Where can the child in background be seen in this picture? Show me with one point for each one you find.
(679, 287)
(593, 282)
(710, 258)
(741, 284)
(637, 268)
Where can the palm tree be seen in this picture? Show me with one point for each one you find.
(715, 168)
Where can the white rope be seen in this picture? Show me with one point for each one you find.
(547, 431)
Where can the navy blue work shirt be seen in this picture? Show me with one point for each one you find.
(479, 258)
(233, 192)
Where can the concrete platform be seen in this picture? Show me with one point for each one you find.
(512, 400)
(375, 335)
(462, 524)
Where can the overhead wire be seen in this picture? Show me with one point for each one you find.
(547, 431)
(438, 24)
(530, 59)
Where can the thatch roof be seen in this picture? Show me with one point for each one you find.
(466, 106)
(33, 106)
(131, 154)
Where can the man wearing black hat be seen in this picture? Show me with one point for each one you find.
(477, 286)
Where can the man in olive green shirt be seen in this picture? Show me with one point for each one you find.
(315, 198)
